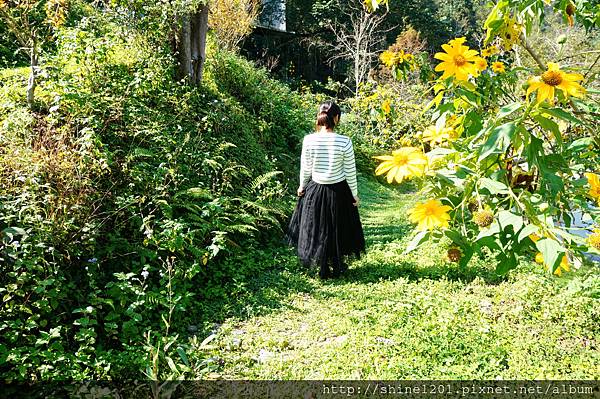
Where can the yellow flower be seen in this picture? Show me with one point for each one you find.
(405, 163)
(564, 264)
(457, 41)
(481, 63)
(594, 182)
(511, 33)
(405, 141)
(539, 258)
(385, 106)
(392, 58)
(594, 239)
(388, 58)
(435, 135)
(498, 67)
(458, 60)
(489, 51)
(535, 238)
(430, 214)
(555, 78)
(408, 57)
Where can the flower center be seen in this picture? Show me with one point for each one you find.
(401, 160)
(459, 60)
(552, 78)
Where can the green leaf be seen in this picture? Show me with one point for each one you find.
(549, 125)
(493, 186)
(552, 183)
(506, 218)
(493, 22)
(527, 230)
(581, 144)
(489, 231)
(207, 340)
(499, 140)
(417, 240)
(183, 356)
(562, 114)
(551, 251)
(489, 242)
(535, 152)
(506, 261)
(456, 238)
(467, 255)
(14, 231)
(171, 364)
(509, 109)
(440, 152)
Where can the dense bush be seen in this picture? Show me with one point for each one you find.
(124, 196)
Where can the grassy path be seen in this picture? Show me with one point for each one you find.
(410, 316)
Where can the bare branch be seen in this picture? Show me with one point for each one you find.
(359, 40)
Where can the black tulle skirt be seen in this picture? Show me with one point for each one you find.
(325, 227)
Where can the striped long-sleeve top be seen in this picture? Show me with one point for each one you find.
(328, 158)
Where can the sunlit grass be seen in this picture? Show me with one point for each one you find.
(410, 316)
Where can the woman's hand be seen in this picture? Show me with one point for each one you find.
(300, 192)
(356, 201)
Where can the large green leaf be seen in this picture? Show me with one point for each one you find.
(552, 183)
(507, 218)
(489, 231)
(581, 144)
(493, 186)
(549, 125)
(506, 261)
(457, 238)
(551, 250)
(499, 140)
(509, 109)
(527, 230)
(562, 114)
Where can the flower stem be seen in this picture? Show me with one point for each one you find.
(532, 53)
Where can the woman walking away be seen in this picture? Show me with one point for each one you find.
(325, 225)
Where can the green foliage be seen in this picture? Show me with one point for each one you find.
(388, 113)
(528, 162)
(125, 198)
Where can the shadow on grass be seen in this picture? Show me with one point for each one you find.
(374, 272)
(257, 293)
(378, 234)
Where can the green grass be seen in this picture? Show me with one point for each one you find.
(396, 316)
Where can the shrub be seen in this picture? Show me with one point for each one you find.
(125, 196)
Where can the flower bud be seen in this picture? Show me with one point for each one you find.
(454, 254)
(483, 218)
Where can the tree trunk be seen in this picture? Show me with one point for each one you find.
(32, 82)
(183, 48)
(191, 46)
(199, 29)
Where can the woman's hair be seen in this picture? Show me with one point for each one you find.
(327, 113)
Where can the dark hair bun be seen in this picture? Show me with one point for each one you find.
(327, 113)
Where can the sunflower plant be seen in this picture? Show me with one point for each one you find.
(510, 163)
